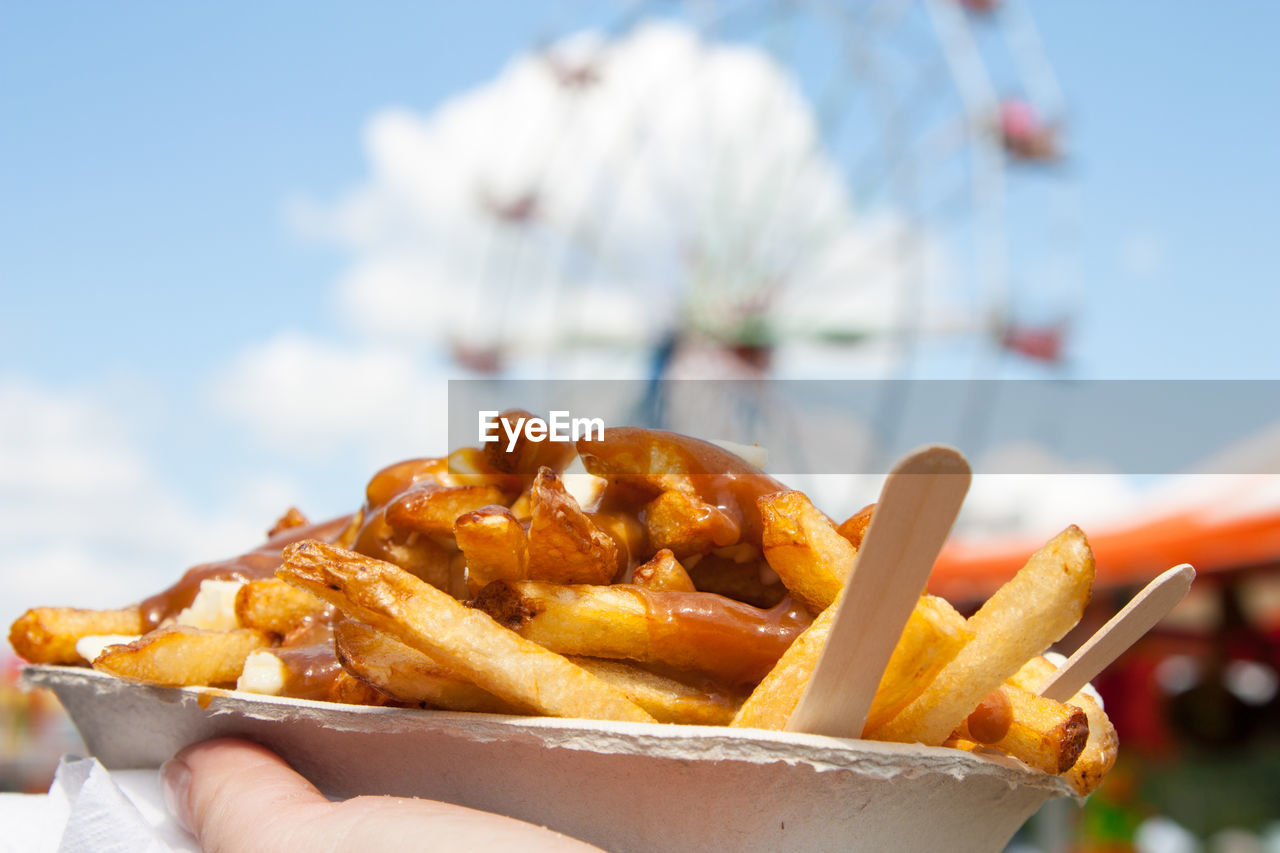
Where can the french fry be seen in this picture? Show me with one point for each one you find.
(431, 509)
(1039, 732)
(934, 634)
(349, 690)
(688, 525)
(522, 506)
(494, 544)
(855, 526)
(49, 634)
(668, 700)
(1100, 751)
(178, 656)
(663, 573)
(418, 555)
(696, 631)
(469, 466)
(628, 535)
(274, 606)
(707, 543)
(803, 547)
(407, 675)
(1030, 612)
(565, 545)
(1103, 746)
(293, 517)
(347, 537)
(466, 640)
(643, 463)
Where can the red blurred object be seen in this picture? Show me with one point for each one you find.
(479, 359)
(980, 6)
(1042, 343)
(1025, 135)
(520, 209)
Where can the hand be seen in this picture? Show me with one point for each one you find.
(236, 795)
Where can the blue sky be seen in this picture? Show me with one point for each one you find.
(151, 153)
(150, 149)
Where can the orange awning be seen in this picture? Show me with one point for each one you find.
(1127, 555)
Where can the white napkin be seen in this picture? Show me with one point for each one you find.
(90, 809)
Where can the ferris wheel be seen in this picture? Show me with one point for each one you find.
(749, 189)
(855, 175)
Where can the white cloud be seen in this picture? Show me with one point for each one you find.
(684, 176)
(40, 453)
(88, 519)
(311, 398)
(1031, 490)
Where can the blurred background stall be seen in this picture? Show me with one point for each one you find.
(246, 248)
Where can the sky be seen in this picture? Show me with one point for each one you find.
(186, 345)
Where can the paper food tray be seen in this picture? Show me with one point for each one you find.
(623, 786)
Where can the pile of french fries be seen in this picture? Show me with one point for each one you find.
(646, 578)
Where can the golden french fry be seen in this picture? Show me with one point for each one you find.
(407, 675)
(1039, 732)
(854, 528)
(627, 533)
(668, 700)
(695, 631)
(643, 463)
(1102, 747)
(522, 506)
(565, 545)
(349, 690)
(494, 544)
(49, 634)
(956, 742)
(418, 555)
(178, 656)
(466, 640)
(803, 547)
(347, 538)
(1100, 750)
(688, 525)
(395, 479)
(663, 573)
(431, 509)
(293, 517)
(274, 606)
(1030, 612)
(934, 634)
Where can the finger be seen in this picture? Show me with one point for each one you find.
(389, 823)
(236, 795)
(228, 792)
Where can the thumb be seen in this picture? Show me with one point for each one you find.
(227, 791)
(236, 795)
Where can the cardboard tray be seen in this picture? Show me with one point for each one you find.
(622, 786)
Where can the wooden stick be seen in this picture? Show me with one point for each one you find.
(918, 504)
(1122, 631)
